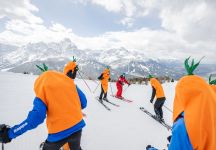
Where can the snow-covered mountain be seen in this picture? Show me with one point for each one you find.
(91, 62)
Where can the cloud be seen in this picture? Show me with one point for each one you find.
(127, 21)
(129, 9)
(187, 28)
(193, 20)
(19, 9)
(20, 32)
(153, 43)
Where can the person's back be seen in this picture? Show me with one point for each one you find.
(104, 79)
(59, 94)
(157, 90)
(158, 87)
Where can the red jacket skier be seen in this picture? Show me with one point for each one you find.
(119, 85)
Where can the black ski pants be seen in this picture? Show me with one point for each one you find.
(158, 106)
(102, 93)
(73, 141)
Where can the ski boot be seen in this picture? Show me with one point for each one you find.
(157, 117)
(119, 97)
(105, 99)
(100, 99)
(161, 120)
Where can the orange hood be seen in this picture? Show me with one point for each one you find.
(69, 66)
(106, 71)
(197, 100)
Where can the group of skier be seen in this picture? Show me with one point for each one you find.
(194, 110)
(105, 78)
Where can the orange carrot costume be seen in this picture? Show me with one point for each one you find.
(56, 100)
(70, 66)
(197, 100)
(105, 79)
(158, 87)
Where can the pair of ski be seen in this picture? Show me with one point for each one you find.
(154, 117)
(122, 99)
(106, 101)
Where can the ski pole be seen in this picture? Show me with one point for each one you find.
(84, 82)
(168, 109)
(96, 87)
(125, 89)
(111, 89)
(88, 77)
(2, 146)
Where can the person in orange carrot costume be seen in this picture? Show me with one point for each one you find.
(61, 102)
(194, 113)
(104, 78)
(157, 90)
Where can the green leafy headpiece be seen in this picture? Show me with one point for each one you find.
(190, 68)
(42, 68)
(213, 82)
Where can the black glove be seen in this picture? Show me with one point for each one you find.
(151, 101)
(109, 79)
(76, 68)
(4, 137)
(100, 77)
(169, 138)
(129, 84)
(148, 147)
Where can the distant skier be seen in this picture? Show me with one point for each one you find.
(157, 90)
(119, 85)
(104, 78)
(194, 113)
(60, 101)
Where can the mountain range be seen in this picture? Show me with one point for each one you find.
(91, 62)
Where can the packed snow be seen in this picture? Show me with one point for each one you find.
(123, 128)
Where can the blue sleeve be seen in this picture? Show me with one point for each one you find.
(82, 97)
(180, 139)
(35, 117)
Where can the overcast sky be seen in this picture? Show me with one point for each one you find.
(158, 28)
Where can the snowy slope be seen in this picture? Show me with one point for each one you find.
(124, 128)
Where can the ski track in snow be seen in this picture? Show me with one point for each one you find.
(123, 128)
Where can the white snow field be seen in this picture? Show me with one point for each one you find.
(123, 128)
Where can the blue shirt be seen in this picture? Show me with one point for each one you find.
(180, 139)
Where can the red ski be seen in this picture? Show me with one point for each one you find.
(123, 99)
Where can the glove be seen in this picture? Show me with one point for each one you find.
(151, 101)
(169, 138)
(109, 79)
(100, 78)
(129, 84)
(76, 68)
(4, 137)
